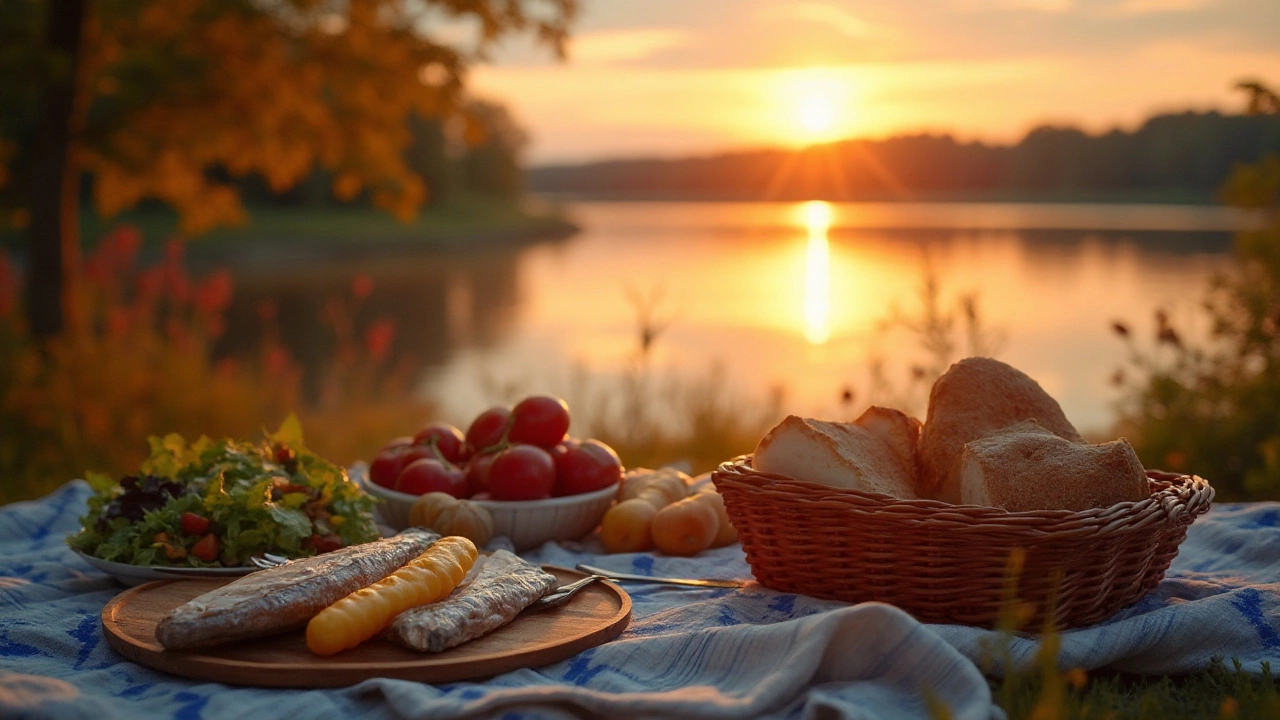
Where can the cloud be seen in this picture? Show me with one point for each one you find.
(1047, 7)
(620, 46)
(1154, 7)
(820, 13)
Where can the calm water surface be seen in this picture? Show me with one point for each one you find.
(793, 297)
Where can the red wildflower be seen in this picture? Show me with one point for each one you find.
(118, 322)
(123, 243)
(276, 360)
(8, 285)
(361, 286)
(377, 340)
(214, 294)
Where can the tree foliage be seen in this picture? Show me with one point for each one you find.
(172, 91)
(1213, 408)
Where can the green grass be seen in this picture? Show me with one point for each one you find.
(1219, 692)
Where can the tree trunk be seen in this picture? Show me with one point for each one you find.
(55, 182)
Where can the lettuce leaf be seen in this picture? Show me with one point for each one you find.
(254, 503)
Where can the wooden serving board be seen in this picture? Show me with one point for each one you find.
(595, 615)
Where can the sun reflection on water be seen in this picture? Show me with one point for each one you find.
(817, 272)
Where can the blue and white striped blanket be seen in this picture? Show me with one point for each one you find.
(687, 653)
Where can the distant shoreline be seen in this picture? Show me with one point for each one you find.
(1161, 197)
(1174, 159)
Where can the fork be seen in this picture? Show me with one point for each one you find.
(562, 594)
(267, 560)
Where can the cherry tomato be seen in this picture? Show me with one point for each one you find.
(431, 475)
(489, 428)
(539, 420)
(390, 460)
(584, 466)
(206, 548)
(522, 472)
(448, 439)
(478, 473)
(285, 456)
(193, 524)
(323, 543)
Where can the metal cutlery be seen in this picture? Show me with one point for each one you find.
(692, 582)
(267, 560)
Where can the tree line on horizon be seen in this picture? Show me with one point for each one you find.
(1183, 157)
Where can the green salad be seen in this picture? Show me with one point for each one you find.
(217, 503)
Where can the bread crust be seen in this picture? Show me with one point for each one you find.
(1026, 467)
(898, 430)
(977, 397)
(842, 455)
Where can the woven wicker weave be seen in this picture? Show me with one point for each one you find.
(950, 563)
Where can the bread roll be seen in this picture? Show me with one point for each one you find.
(898, 430)
(841, 455)
(1026, 467)
(974, 398)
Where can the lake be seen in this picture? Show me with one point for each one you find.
(786, 302)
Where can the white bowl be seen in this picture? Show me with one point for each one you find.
(528, 523)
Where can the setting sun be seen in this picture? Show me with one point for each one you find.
(817, 114)
(816, 104)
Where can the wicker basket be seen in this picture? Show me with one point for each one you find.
(950, 563)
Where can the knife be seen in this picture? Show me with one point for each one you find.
(613, 575)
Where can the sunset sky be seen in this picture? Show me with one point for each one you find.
(668, 77)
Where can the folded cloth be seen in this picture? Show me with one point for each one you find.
(713, 653)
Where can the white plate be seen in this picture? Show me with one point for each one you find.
(138, 574)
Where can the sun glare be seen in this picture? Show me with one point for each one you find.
(816, 216)
(817, 114)
(816, 103)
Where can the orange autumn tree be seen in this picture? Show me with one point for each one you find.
(167, 99)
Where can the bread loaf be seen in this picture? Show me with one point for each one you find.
(975, 398)
(1026, 467)
(899, 431)
(841, 455)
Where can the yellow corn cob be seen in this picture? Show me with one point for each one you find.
(365, 612)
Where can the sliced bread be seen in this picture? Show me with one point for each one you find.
(842, 455)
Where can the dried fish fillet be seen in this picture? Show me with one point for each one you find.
(503, 587)
(286, 597)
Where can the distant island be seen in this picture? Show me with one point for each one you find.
(1173, 158)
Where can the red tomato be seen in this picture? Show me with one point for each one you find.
(478, 473)
(386, 466)
(448, 439)
(193, 524)
(206, 548)
(539, 420)
(584, 466)
(522, 472)
(430, 475)
(489, 428)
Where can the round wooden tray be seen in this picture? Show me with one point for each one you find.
(595, 615)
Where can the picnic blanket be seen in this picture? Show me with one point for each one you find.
(705, 653)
